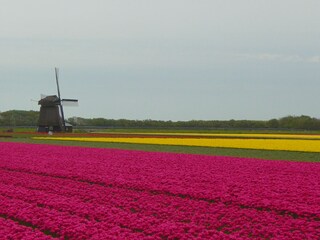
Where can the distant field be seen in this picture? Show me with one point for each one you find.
(27, 137)
(151, 185)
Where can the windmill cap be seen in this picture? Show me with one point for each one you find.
(52, 100)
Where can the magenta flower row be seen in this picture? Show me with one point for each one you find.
(86, 193)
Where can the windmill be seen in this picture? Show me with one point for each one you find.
(51, 116)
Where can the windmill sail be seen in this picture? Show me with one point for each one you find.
(43, 96)
(61, 108)
(57, 81)
(70, 102)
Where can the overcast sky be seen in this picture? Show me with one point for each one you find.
(163, 59)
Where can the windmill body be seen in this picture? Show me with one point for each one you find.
(51, 116)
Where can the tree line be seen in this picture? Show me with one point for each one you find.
(16, 118)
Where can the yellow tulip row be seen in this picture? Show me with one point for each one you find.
(232, 135)
(302, 145)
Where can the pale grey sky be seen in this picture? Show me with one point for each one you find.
(163, 60)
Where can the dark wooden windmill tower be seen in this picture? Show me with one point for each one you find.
(51, 116)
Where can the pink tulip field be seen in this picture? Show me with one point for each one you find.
(69, 192)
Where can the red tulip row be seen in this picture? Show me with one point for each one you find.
(126, 208)
(81, 193)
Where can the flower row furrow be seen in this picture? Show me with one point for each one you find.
(244, 192)
(175, 209)
(248, 193)
(60, 224)
(98, 193)
(13, 230)
(137, 194)
(119, 213)
(94, 221)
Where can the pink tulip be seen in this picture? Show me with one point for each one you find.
(63, 192)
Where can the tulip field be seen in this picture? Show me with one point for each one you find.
(72, 192)
(303, 145)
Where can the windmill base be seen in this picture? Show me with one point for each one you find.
(46, 129)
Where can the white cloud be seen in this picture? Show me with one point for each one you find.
(314, 59)
(279, 57)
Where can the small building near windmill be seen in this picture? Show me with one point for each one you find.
(50, 118)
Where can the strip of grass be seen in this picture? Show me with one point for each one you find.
(263, 154)
(18, 129)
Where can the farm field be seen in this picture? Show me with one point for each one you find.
(102, 190)
(81, 193)
(301, 145)
(304, 147)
